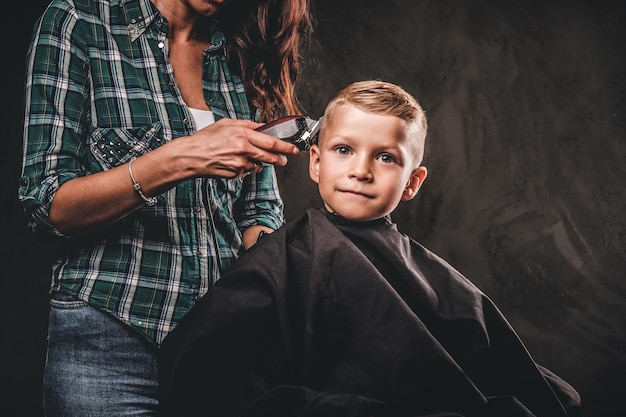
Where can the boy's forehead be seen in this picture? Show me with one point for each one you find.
(348, 110)
(353, 122)
(348, 114)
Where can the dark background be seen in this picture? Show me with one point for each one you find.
(526, 193)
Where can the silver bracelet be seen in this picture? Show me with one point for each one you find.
(150, 201)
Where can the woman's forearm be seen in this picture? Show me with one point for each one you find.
(91, 202)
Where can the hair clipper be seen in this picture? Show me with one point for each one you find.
(300, 130)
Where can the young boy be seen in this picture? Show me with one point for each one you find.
(339, 314)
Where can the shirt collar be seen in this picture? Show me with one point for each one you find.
(140, 14)
(218, 40)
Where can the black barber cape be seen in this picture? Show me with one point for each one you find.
(327, 317)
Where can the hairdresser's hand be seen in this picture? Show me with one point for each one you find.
(231, 148)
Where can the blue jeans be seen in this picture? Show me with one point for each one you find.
(96, 366)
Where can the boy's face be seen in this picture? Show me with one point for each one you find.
(363, 165)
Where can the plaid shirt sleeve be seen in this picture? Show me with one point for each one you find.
(262, 204)
(57, 106)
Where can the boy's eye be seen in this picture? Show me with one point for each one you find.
(342, 150)
(386, 158)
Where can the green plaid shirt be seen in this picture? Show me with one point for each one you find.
(100, 90)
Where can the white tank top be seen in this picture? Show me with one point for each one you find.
(201, 118)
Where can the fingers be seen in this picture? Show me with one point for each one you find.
(256, 168)
(254, 145)
(232, 148)
(237, 170)
(271, 143)
(259, 139)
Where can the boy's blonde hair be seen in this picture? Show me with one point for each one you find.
(385, 98)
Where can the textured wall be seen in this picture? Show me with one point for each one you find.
(526, 148)
(526, 189)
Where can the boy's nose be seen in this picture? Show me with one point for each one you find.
(360, 169)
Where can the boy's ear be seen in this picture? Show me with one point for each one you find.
(314, 163)
(415, 182)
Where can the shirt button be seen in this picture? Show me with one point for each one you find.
(200, 253)
(161, 45)
(197, 209)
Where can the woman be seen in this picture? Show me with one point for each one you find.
(141, 159)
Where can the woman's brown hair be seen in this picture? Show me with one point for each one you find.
(264, 39)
